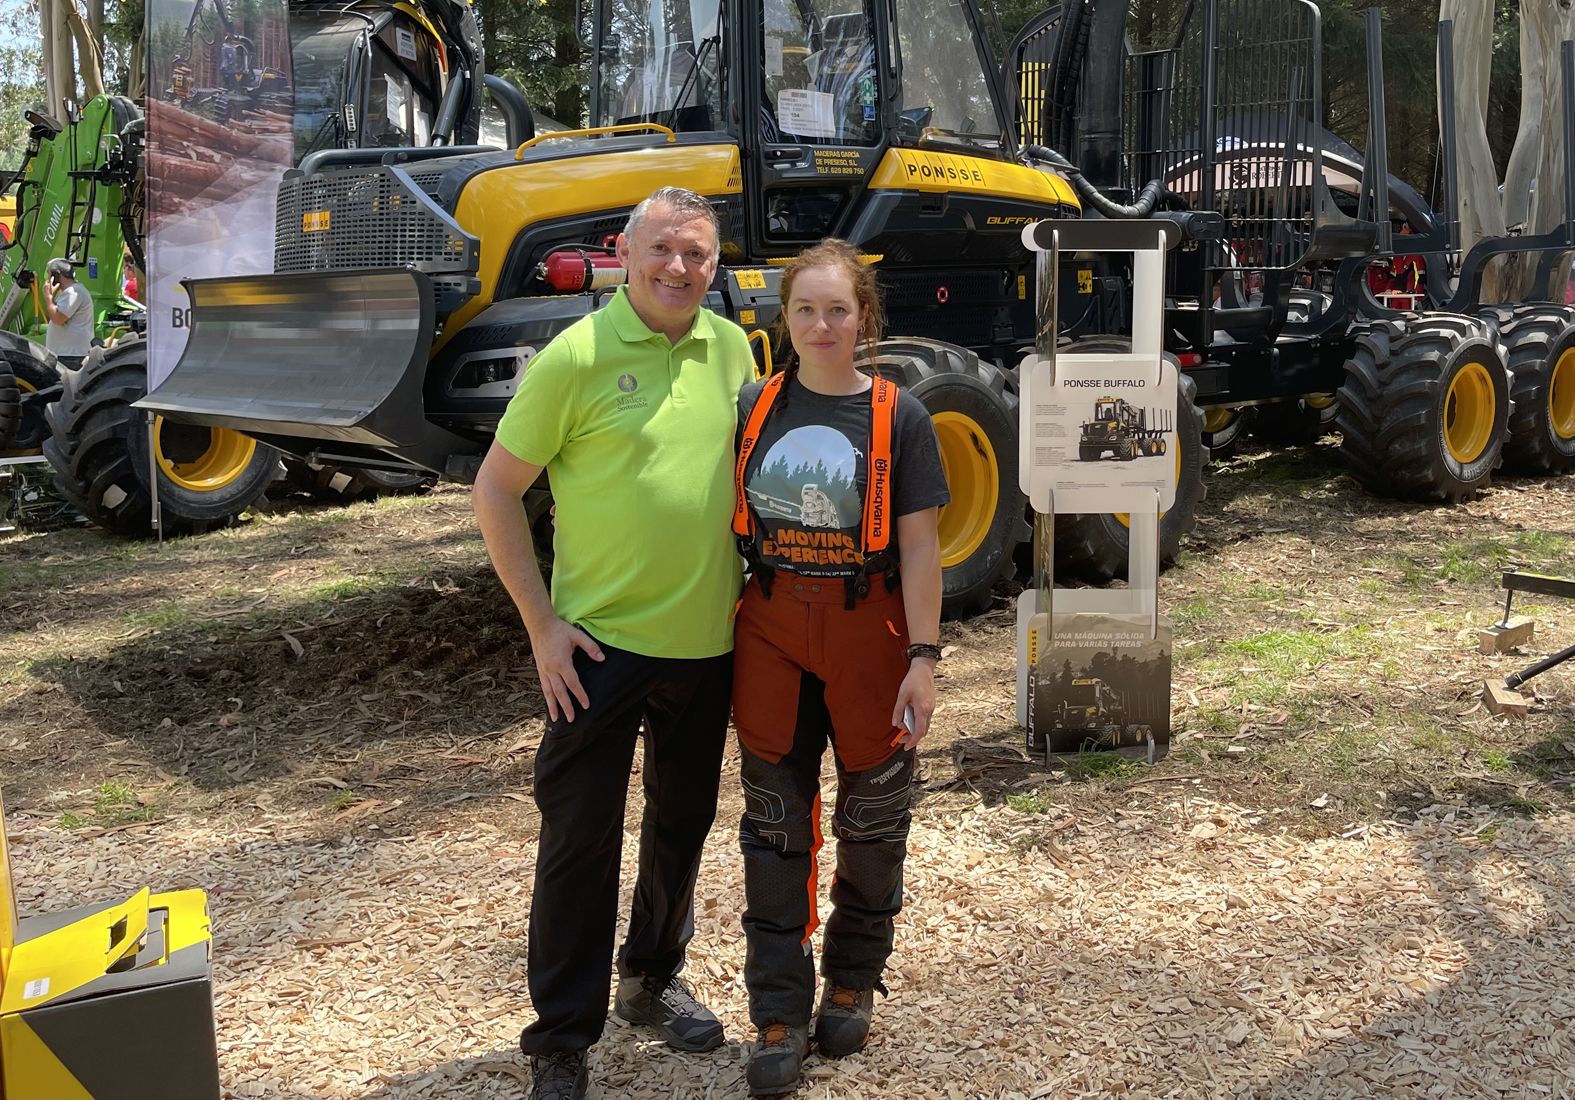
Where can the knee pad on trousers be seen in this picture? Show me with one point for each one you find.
(874, 804)
(776, 819)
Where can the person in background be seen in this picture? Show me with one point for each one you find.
(68, 307)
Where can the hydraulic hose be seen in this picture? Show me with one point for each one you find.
(1148, 199)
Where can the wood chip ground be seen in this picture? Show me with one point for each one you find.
(1038, 956)
(1347, 879)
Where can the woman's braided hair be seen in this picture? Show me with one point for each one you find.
(837, 253)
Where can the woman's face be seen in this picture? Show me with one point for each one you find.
(824, 318)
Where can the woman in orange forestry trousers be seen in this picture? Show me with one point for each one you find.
(838, 487)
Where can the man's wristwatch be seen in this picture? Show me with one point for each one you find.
(924, 649)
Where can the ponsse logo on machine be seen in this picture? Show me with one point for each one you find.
(941, 168)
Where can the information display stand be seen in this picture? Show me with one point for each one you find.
(1097, 435)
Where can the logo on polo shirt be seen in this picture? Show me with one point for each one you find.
(627, 398)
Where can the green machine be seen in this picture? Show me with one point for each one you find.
(77, 195)
(75, 198)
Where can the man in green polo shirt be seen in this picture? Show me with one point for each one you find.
(632, 412)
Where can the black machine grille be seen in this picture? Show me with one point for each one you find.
(367, 218)
(959, 306)
(428, 181)
(1229, 117)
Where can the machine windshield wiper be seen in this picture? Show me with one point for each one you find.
(330, 122)
(692, 81)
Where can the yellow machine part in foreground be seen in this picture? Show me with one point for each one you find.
(106, 1002)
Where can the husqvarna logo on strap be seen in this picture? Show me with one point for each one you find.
(878, 497)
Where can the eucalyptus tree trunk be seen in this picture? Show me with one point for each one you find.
(1556, 20)
(1477, 205)
(90, 54)
(71, 54)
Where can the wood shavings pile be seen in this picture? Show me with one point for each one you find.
(1167, 950)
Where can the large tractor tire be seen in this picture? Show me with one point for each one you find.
(33, 372)
(1224, 428)
(1305, 306)
(99, 448)
(1299, 420)
(10, 407)
(1096, 546)
(347, 484)
(1425, 406)
(1539, 348)
(974, 409)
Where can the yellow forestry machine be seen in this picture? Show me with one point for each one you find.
(440, 276)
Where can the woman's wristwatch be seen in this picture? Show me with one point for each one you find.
(924, 649)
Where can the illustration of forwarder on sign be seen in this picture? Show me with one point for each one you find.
(1123, 431)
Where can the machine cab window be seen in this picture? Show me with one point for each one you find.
(659, 63)
(943, 82)
(820, 81)
(405, 86)
(362, 82)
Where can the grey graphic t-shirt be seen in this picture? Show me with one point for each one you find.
(806, 477)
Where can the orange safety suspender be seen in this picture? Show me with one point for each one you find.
(876, 533)
(877, 491)
(743, 521)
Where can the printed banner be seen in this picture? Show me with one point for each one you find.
(1099, 683)
(219, 140)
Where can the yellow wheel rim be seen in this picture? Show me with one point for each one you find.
(1125, 518)
(1561, 396)
(974, 478)
(1218, 418)
(1319, 401)
(1469, 409)
(201, 459)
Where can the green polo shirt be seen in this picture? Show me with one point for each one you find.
(637, 438)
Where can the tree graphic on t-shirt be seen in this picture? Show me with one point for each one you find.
(787, 484)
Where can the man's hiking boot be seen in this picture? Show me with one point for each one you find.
(669, 1006)
(842, 1026)
(777, 1060)
(560, 1075)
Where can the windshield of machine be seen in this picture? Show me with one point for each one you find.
(319, 57)
(819, 75)
(1083, 693)
(943, 81)
(661, 63)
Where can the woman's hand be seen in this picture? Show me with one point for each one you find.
(917, 692)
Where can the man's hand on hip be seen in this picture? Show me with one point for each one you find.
(552, 644)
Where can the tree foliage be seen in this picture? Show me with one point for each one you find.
(22, 62)
(21, 78)
(536, 44)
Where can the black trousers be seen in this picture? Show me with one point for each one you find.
(582, 773)
(780, 837)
